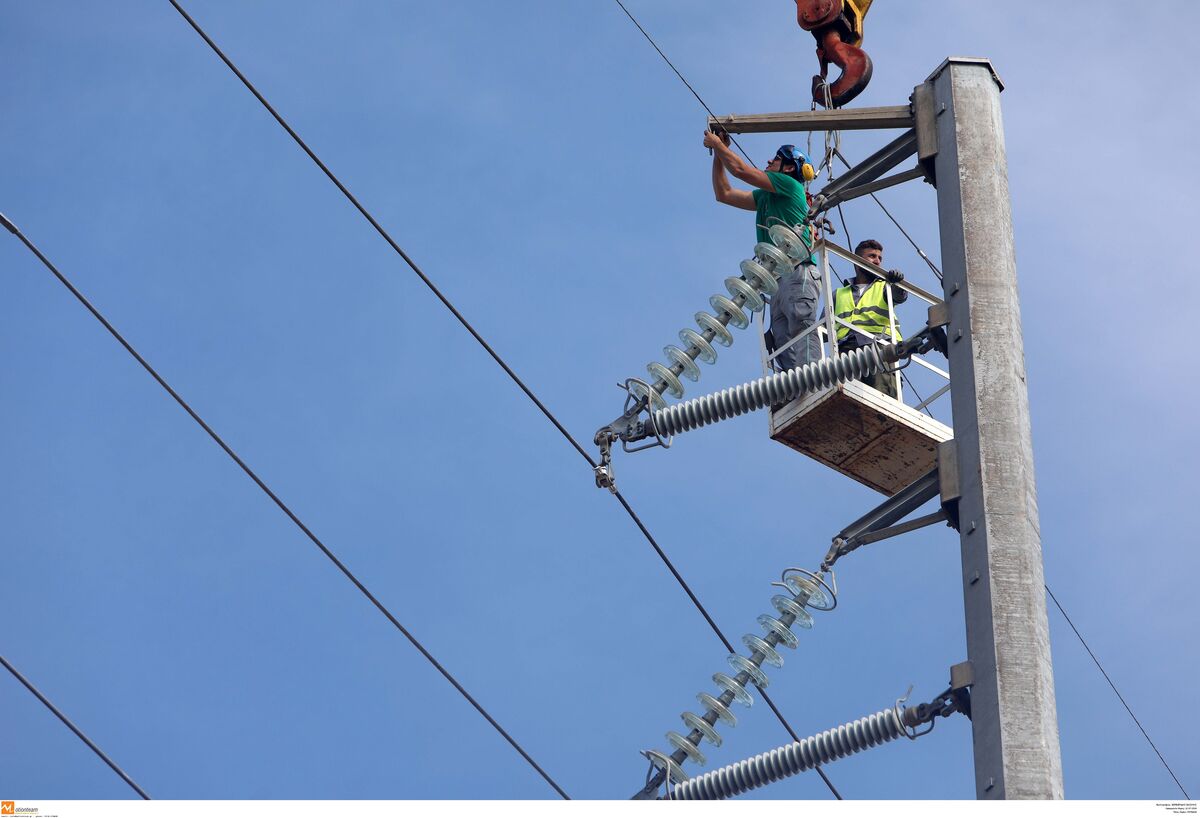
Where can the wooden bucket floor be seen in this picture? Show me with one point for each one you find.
(862, 433)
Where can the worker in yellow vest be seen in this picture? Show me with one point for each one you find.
(863, 303)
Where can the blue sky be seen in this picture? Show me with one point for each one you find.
(545, 168)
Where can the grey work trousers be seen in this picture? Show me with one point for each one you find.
(793, 310)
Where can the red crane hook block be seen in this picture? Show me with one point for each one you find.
(838, 35)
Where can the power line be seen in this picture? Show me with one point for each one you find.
(716, 629)
(462, 320)
(278, 502)
(466, 324)
(103, 757)
(379, 229)
(1114, 688)
(650, 40)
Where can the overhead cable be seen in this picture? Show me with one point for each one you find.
(717, 630)
(650, 40)
(495, 356)
(1119, 696)
(103, 757)
(379, 229)
(278, 502)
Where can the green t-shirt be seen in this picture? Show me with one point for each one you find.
(788, 203)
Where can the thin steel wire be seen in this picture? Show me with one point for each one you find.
(845, 229)
(915, 392)
(1125, 704)
(282, 506)
(61, 717)
(682, 79)
(899, 227)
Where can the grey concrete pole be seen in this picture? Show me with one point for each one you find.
(1015, 723)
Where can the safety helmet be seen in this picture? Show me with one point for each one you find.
(804, 171)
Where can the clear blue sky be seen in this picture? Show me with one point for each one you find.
(544, 166)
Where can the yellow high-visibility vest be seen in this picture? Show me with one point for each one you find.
(870, 314)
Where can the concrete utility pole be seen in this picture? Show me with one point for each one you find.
(1015, 724)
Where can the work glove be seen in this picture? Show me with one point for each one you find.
(894, 276)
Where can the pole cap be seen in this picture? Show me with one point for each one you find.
(967, 61)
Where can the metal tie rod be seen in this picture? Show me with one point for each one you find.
(840, 742)
(783, 762)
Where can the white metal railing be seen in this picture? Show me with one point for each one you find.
(826, 328)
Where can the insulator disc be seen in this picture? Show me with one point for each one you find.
(639, 391)
(664, 762)
(770, 655)
(774, 259)
(809, 593)
(681, 743)
(741, 663)
(737, 286)
(659, 371)
(773, 625)
(677, 355)
(786, 605)
(694, 339)
(721, 333)
(789, 241)
(757, 275)
(696, 723)
(736, 317)
(714, 704)
(740, 694)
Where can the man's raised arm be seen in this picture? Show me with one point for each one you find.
(725, 192)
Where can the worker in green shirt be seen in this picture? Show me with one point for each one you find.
(779, 193)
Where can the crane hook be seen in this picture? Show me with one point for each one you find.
(837, 26)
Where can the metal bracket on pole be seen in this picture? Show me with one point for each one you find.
(866, 171)
(877, 524)
(879, 184)
(955, 699)
(947, 459)
(925, 114)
